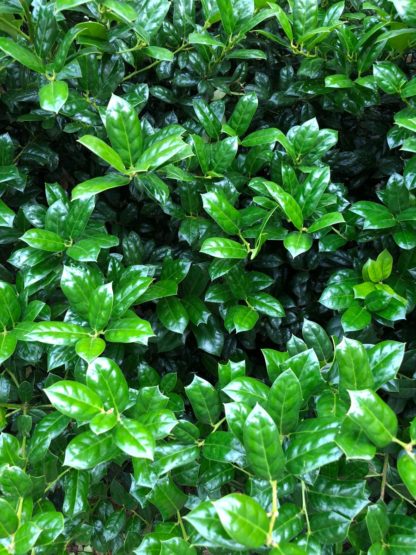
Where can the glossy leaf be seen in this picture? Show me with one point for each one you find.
(74, 399)
(262, 443)
(133, 438)
(243, 519)
(374, 416)
(53, 96)
(124, 130)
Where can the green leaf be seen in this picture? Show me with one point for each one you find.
(389, 77)
(106, 379)
(86, 250)
(313, 445)
(9, 308)
(130, 288)
(103, 422)
(374, 416)
(377, 521)
(247, 390)
(204, 38)
(385, 359)
(205, 520)
(401, 544)
(243, 519)
(347, 497)
(76, 493)
(243, 113)
(26, 537)
(283, 20)
(353, 365)
(44, 240)
(61, 5)
(56, 333)
(406, 465)
(167, 497)
(317, 339)
(124, 130)
(51, 524)
(133, 438)
(285, 400)
(21, 55)
(375, 216)
(287, 203)
(174, 456)
(240, 318)
(338, 81)
(246, 54)
(8, 519)
(8, 343)
(129, 330)
(177, 546)
(100, 307)
(15, 482)
(207, 118)
(7, 215)
(297, 243)
(104, 151)
(266, 304)
(327, 220)
(204, 400)
(222, 211)
(173, 314)
(158, 53)
(264, 137)
(262, 443)
(227, 15)
(87, 450)
(219, 247)
(223, 447)
(353, 441)
(74, 399)
(329, 527)
(97, 185)
(159, 153)
(355, 318)
(79, 215)
(305, 16)
(53, 96)
(78, 285)
(47, 429)
(337, 296)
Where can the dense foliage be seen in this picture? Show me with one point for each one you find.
(207, 277)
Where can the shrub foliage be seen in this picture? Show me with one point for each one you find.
(207, 277)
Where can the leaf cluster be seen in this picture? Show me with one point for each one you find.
(207, 277)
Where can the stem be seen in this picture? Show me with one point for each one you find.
(406, 446)
(51, 484)
(140, 518)
(304, 508)
(182, 527)
(11, 30)
(401, 495)
(275, 512)
(13, 377)
(217, 425)
(11, 406)
(241, 469)
(384, 476)
(257, 246)
(153, 64)
(20, 508)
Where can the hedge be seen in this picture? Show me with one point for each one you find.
(207, 277)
